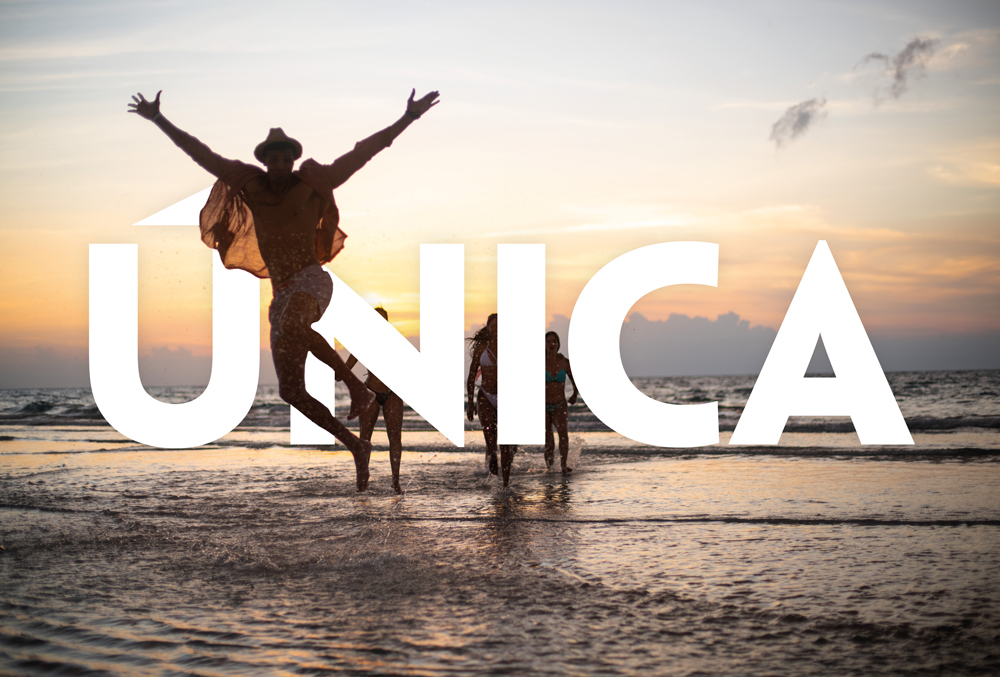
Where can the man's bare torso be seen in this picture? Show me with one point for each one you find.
(286, 226)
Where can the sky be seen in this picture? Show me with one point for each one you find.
(594, 128)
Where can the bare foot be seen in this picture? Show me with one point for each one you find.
(361, 399)
(395, 485)
(362, 451)
(567, 469)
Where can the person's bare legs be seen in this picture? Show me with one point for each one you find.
(559, 418)
(392, 414)
(289, 353)
(361, 397)
(488, 419)
(368, 419)
(506, 461)
(550, 444)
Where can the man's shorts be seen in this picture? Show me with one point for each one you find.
(313, 280)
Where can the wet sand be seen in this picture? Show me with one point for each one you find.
(253, 557)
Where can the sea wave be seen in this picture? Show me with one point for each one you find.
(43, 412)
(929, 402)
(581, 419)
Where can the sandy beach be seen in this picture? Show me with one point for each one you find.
(253, 557)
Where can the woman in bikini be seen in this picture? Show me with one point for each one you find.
(556, 407)
(483, 347)
(391, 407)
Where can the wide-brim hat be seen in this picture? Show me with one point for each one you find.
(276, 135)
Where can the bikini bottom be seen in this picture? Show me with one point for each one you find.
(553, 407)
(381, 398)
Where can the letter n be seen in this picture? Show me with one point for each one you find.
(429, 380)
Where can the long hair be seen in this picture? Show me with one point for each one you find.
(481, 337)
(558, 343)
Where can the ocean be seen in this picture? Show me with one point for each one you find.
(250, 556)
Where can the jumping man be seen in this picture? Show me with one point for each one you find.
(283, 224)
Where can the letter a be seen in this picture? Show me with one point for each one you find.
(114, 354)
(822, 306)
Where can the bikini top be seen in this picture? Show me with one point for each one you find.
(486, 358)
(560, 377)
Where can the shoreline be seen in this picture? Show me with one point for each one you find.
(78, 439)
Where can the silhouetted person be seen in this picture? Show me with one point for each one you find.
(392, 413)
(556, 408)
(483, 347)
(283, 224)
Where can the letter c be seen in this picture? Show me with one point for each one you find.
(595, 344)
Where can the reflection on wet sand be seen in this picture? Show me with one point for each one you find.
(239, 560)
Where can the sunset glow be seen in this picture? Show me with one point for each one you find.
(594, 129)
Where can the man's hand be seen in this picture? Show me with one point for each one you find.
(146, 109)
(416, 108)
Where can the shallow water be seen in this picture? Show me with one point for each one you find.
(252, 557)
(931, 402)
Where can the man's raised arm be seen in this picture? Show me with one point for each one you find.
(212, 162)
(345, 166)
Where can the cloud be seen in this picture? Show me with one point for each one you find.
(44, 367)
(47, 366)
(909, 63)
(797, 120)
(678, 346)
(696, 346)
(628, 225)
(945, 352)
(164, 366)
(693, 346)
(984, 173)
(611, 218)
(971, 165)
